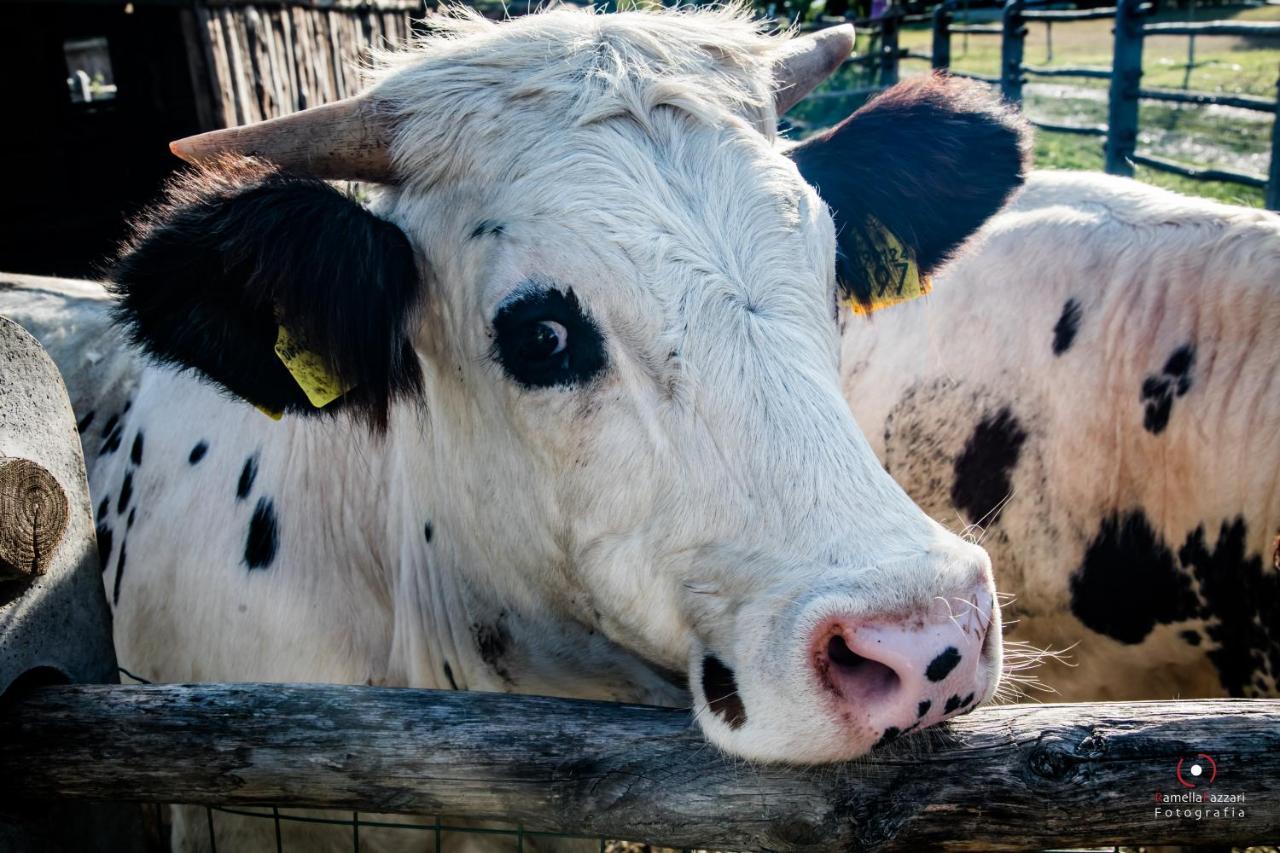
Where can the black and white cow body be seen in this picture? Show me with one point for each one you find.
(1096, 387)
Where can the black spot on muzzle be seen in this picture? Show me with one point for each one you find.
(941, 666)
(721, 690)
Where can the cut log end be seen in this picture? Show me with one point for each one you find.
(33, 517)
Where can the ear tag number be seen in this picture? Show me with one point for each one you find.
(309, 370)
(906, 282)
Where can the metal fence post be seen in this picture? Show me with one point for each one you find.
(889, 50)
(1271, 197)
(1126, 77)
(941, 49)
(1012, 42)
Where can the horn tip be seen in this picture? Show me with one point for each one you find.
(183, 149)
(840, 38)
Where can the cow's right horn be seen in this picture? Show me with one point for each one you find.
(345, 140)
(806, 61)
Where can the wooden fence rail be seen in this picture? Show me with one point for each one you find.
(1124, 77)
(1014, 777)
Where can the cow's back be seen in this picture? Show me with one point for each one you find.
(72, 321)
(1096, 386)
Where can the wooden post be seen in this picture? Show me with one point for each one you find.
(1272, 196)
(889, 48)
(1010, 777)
(1126, 79)
(941, 52)
(33, 517)
(55, 625)
(1012, 44)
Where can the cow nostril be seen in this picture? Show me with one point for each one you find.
(841, 655)
(868, 678)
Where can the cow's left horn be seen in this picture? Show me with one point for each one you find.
(345, 140)
(804, 62)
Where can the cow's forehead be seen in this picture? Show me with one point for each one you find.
(659, 232)
(475, 91)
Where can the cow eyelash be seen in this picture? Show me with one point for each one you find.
(544, 339)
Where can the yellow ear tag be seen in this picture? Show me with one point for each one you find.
(309, 370)
(905, 282)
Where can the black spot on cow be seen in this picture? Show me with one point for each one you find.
(126, 492)
(1128, 582)
(488, 228)
(1064, 331)
(247, 475)
(427, 532)
(103, 507)
(198, 452)
(923, 708)
(1159, 391)
(952, 704)
(984, 469)
(105, 538)
(112, 444)
(264, 537)
(448, 674)
(115, 588)
(128, 404)
(941, 666)
(110, 425)
(492, 641)
(135, 452)
(84, 423)
(890, 735)
(1240, 602)
(128, 525)
(721, 689)
(966, 701)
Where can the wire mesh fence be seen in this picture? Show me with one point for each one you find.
(437, 831)
(438, 834)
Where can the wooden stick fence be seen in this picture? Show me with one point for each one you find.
(1015, 777)
(260, 59)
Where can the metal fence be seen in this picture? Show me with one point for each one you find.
(1125, 92)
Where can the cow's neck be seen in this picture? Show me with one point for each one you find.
(472, 605)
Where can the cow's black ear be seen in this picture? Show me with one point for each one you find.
(239, 250)
(930, 159)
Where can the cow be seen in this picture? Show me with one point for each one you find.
(1094, 391)
(561, 411)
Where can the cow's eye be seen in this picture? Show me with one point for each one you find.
(542, 338)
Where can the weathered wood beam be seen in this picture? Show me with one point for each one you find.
(1013, 777)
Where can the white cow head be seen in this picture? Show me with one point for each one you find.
(598, 303)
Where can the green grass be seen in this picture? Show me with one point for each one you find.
(1223, 64)
(1191, 135)
(1064, 151)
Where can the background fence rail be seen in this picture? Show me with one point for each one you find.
(1125, 92)
(1023, 776)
